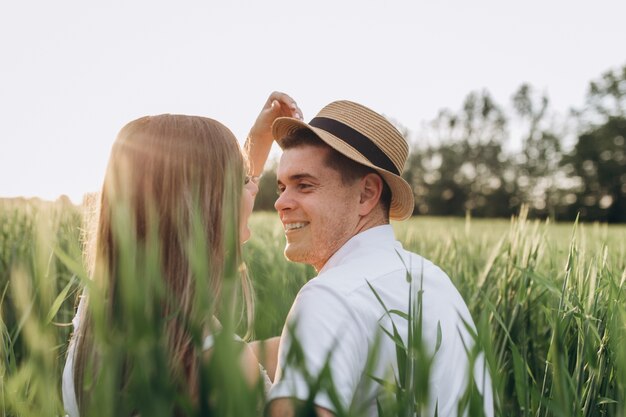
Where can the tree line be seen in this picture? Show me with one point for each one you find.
(563, 166)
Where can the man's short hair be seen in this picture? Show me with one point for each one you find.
(349, 170)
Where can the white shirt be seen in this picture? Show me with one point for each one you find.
(337, 314)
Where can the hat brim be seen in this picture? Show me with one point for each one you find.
(402, 201)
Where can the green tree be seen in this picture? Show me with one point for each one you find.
(266, 196)
(466, 168)
(606, 96)
(538, 162)
(598, 160)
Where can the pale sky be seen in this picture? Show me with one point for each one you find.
(72, 73)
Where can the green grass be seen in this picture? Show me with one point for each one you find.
(548, 301)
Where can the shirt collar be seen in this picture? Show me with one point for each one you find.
(374, 236)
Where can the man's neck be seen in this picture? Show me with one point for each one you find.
(365, 223)
(372, 219)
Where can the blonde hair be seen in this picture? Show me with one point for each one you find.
(171, 173)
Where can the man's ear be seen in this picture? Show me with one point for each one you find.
(371, 189)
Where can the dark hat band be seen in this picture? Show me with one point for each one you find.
(357, 140)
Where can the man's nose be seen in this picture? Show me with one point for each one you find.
(283, 202)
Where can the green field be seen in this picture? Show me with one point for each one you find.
(548, 301)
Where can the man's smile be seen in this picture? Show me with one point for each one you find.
(294, 226)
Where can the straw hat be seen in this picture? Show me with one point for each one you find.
(365, 137)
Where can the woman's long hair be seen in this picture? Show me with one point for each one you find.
(174, 181)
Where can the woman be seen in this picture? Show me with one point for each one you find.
(166, 244)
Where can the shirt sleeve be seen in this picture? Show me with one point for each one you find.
(325, 328)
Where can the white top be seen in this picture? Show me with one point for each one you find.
(338, 313)
(67, 380)
(67, 383)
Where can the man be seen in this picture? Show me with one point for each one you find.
(339, 184)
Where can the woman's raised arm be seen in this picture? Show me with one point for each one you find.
(260, 139)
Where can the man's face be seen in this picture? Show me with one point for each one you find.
(319, 213)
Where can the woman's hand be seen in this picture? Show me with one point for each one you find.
(260, 138)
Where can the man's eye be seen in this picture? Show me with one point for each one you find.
(280, 190)
(304, 186)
